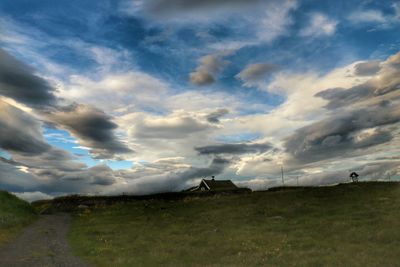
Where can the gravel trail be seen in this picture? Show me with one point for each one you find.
(41, 244)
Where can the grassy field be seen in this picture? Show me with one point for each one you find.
(345, 225)
(14, 215)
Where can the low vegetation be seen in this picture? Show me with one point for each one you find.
(346, 225)
(14, 215)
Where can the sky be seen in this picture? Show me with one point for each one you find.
(145, 96)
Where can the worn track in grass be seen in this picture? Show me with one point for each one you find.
(41, 244)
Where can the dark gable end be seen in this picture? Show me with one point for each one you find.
(204, 186)
(219, 184)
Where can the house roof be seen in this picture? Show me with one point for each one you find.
(354, 174)
(219, 184)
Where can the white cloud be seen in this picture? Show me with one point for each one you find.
(376, 17)
(129, 91)
(164, 124)
(178, 125)
(319, 25)
(276, 20)
(34, 46)
(300, 105)
(107, 59)
(396, 7)
(203, 101)
(365, 16)
(265, 21)
(160, 136)
(300, 108)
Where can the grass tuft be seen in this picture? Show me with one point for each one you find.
(14, 215)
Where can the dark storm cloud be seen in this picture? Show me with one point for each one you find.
(101, 175)
(44, 172)
(208, 69)
(78, 181)
(257, 72)
(378, 170)
(66, 176)
(342, 133)
(233, 149)
(20, 132)
(367, 68)
(53, 159)
(171, 181)
(214, 117)
(92, 127)
(202, 77)
(37, 166)
(216, 167)
(339, 97)
(9, 161)
(19, 82)
(14, 180)
(386, 82)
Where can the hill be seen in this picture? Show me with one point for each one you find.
(344, 225)
(73, 202)
(14, 215)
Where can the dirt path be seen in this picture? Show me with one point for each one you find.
(41, 244)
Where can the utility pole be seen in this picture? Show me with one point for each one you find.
(283, 180)
(297, 178)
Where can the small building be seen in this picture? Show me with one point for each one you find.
(215, 185)
(354, 176)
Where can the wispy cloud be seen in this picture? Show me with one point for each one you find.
(319, 25)
(376, 17)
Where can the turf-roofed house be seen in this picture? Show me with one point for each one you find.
(215, 185)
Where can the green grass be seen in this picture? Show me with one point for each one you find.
(14, 215)
(346, 225)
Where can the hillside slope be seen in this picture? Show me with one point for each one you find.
(14, 214)
(344, 225)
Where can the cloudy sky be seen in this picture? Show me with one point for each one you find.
(144, 96)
